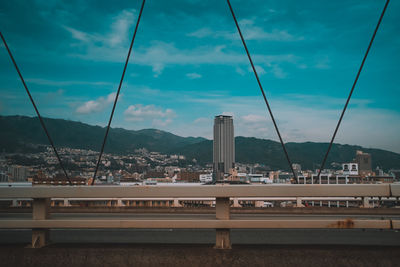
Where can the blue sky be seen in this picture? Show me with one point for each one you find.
(188, 65)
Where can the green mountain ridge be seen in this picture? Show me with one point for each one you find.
(21, 134)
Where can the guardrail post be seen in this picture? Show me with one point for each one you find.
(40, 211)
(366, 202)
(223, 238)
(299, 202)
(236, 203)
(258, 204)
(176, 203)
(66, 202)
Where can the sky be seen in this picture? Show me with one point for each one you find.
(189, 65)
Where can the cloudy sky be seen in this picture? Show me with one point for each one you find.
(188, 65)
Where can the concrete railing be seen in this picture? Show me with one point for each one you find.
(41, 195)
(236, 202)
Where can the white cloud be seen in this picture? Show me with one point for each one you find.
(158, 68)
(120, 27)
(202, 120)
(78, 35)
(228, 113)
(260, 70)
(302, 118)
(252, 118)
(157, 115)
(53, 95)
(278, 71)
(48, 82)
(201, 33)
(322, 62)
(256, 125)
(161, 54)
(147, 90)
(97, 105)
(118, 34)
(250, 32)
(240, 71)
(257, 33)
(193, 75)
(112, 47)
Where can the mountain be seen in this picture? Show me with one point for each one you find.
(308, 154)
(21, 134)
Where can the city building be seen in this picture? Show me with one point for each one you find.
(59, 180)
(350, 168)
(205, 178)
(191, 177)
(364, 163)
(154, 174)
(223, 146)
(17, 173)
(258, 178)
(379, 179)
(236, 176)
(3, 176)
(395, 174)
(296, 167)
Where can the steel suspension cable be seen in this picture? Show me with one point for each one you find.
(263, 93)
(118, 91)
(352, 89)
(36, 109)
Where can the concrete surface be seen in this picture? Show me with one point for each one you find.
(198, 255)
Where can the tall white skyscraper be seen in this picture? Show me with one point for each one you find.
(224, 146)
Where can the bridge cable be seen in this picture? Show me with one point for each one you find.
(352, 88)
(263, 93)
(118, 91)
(36, 109)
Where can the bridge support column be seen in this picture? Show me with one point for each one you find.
(223, 236)
(40, 237)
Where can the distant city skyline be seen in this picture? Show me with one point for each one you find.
(188, 65)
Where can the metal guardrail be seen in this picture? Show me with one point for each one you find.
(286, 190)
(41, 195)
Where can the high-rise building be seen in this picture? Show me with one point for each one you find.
(224, 146)
(364, 163)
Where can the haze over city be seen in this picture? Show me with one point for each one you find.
(188, 65)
